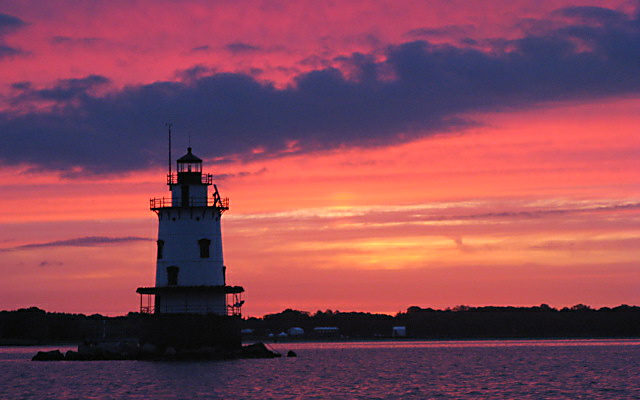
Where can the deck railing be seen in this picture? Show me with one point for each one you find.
(206, 179)
(230, 310)
(166, 202)
(233, 308)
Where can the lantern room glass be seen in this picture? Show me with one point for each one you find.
(190, 167)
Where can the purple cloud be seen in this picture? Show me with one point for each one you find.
(240, 47)
(419, 89)
(8, 24)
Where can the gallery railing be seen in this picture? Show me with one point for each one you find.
(165, 202)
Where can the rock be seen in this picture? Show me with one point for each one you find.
(107, 351)
(123, 350)
(126, 350)
(291, 353)
(91, 351)
(258, 350)
(54, 355)
(74, 356)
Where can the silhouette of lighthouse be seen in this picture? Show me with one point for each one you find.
(190, 270)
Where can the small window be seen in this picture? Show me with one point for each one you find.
(204, 247)
(160, 248)
(185, 196)
(172, 275)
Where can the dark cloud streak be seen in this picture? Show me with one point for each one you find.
(82, 41)
(240, 48)
(87, 241)
(47, 263)
(8, 24)
(419, 90)
(65, 90)
(7, 51)
(205, 47)
(443, 31)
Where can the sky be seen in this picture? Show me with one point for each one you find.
(377, 154)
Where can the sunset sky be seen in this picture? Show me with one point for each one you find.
(377, 154)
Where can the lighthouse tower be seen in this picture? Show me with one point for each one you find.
(190, 270)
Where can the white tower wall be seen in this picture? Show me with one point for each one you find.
(197, 194)
(181, 230)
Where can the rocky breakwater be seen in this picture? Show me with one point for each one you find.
(133, 350)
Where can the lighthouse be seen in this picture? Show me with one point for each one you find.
(190, 270)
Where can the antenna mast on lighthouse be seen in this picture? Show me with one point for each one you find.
(169, 125)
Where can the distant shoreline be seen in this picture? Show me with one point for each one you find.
(36, 327)
(484, 339)
(8, 344)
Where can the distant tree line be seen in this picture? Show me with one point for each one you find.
(463, 322)
(36, 326)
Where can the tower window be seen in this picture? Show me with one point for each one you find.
(160, 248)
(204, 247)
(185, 196)
(172, 275)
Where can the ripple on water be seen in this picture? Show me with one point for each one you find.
(360, 370)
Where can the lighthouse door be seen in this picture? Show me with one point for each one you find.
(185, 196)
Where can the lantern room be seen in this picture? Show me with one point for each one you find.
(189, 169)
(189, 163)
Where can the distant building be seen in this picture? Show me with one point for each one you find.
(326, 331)
(399, 331)
(295, 331)
(190, 270)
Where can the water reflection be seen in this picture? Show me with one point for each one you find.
(392, 369)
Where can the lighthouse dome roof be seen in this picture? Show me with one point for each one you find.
(189, 157)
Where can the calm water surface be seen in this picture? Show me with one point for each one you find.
(549, 369)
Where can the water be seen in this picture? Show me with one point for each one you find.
(551, 369)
